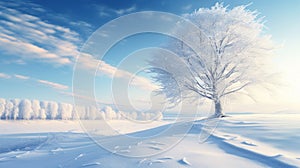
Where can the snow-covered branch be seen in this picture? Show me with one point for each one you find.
(225, 55)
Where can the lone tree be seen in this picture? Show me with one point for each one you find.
(232, 51)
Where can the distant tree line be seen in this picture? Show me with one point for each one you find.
(17, 109)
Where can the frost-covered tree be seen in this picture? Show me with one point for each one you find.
(15, 110)
(43, 110)
(110, 114)
(53, 110)
(2, 106)
(75, 115)
(80, 113)
(87, 112)
(69, 111)
(25, 109)
(36, 109)
(101, 115)
(8, 109)
(230, 51)
(65, 111)
(93, 113)
(119, 115)
(43, 114)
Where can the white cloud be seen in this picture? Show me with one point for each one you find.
(5, 76)
(53, 84)
(126, 10)
(21, 77)
(44, 82)
(86, 61)
(27, 50)
(29, 37)
(105, 11)
(85, 28)
(13, 61)
(187, 7)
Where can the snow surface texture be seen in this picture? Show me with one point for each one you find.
(236, 143)
(25, 109)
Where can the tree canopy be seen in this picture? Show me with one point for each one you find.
(231, 52)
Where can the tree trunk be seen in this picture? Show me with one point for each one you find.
(218, 109)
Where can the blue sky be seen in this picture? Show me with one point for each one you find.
(39, 40)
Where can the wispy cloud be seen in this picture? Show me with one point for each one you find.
(53, 84)
(47, 83)
(126, 10)
(22, 77)
(90, 63)
(5, 76)
(105, 11)
(187, 7)
(27, 36)
(13, 61)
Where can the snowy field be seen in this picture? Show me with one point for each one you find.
(242, 140)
